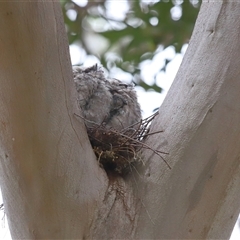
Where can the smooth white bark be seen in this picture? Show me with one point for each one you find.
(199, 198)
(49, 176)
(52, 185)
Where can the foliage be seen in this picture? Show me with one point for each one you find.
(145, 29)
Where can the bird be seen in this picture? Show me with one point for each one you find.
(105, 102)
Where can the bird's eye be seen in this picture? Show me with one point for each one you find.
(123, 85)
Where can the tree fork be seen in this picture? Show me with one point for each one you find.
(51, 182)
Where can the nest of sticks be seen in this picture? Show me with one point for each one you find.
(116, 151)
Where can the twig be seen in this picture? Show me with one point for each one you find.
(120, 147)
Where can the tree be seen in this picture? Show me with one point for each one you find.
(52, 185)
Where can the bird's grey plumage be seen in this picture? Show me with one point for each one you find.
(108, 102)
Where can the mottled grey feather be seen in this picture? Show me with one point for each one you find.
(108, 102)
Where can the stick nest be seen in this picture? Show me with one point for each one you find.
(116, 151)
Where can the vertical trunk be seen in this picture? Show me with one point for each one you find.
(199, 197)
(48, 170)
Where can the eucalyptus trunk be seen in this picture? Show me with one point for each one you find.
(52, 185)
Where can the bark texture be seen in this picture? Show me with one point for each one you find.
(49, 177)
(199, 197)
(52, 185)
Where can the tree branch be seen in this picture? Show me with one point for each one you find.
(49, 177)
(199, 197)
